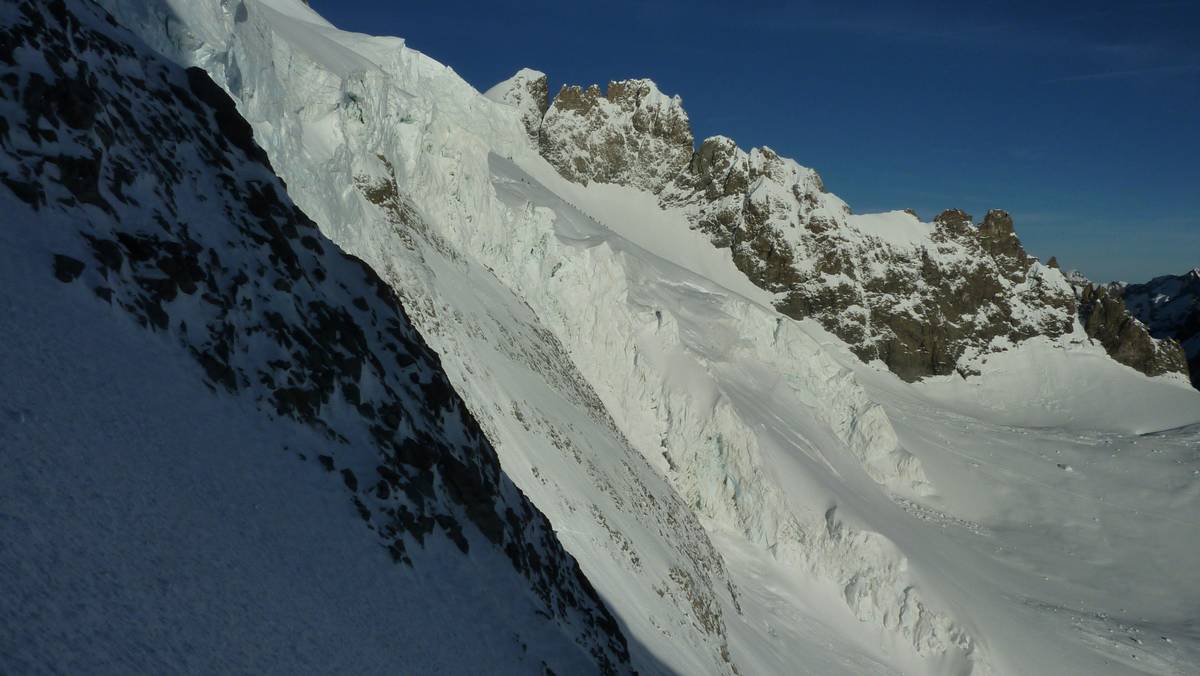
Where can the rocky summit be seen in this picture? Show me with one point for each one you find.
(632, 134)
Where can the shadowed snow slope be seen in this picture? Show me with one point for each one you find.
(742, 490)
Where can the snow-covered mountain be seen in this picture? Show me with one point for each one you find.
(178, 335)
(744, 492)
(924, 298)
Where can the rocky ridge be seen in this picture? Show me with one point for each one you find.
(923, 298)
(1153, 326)
(1169, 306)
(632, 134)
(1106, 318)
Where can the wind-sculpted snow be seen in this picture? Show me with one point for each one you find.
(141, 186)
(743, 491)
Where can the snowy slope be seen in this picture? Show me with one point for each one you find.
(226, 447)
(1064, 541)
(742, 490)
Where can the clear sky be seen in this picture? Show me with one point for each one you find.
(1081, 119)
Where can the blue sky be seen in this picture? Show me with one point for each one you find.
(1081, 119)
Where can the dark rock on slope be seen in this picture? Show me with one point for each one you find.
(1106, 319)
(632, 134)
(1169, 306)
